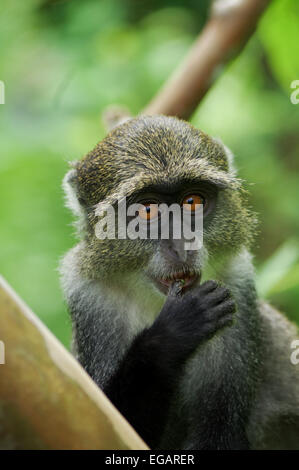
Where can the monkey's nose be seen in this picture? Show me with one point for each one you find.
(174, 250)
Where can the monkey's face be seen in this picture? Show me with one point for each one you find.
(152, 161)
(170, 255)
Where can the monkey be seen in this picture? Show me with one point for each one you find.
(178, 339)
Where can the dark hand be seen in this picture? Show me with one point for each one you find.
(194, 317)
(143, 386)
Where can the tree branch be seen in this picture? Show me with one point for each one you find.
(47, 401)
(231, 24)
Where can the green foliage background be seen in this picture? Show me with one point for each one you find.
(63, 62)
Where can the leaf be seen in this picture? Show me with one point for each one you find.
(278, 32)
(277, 267)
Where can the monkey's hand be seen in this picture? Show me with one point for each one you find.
(187, 321)
(150, 371)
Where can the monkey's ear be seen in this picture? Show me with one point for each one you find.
(70, 187)
(229, 156)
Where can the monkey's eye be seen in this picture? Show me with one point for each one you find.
(148, 211)
(189, 202)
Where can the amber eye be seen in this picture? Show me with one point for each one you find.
(148, 211)
(191, 200)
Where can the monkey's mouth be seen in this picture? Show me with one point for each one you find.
(187, 279)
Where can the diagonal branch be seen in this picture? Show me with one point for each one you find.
(47, 401)
(231, 24)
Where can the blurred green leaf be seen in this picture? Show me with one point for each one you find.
(279, 271)
(278, 32)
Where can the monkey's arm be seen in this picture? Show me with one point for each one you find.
(144, 384)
